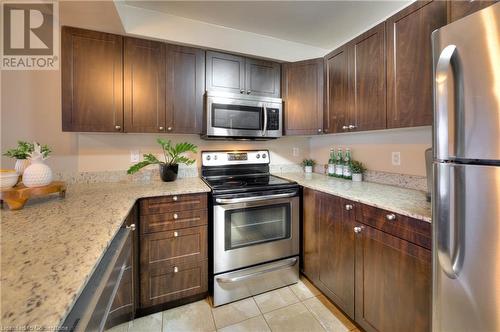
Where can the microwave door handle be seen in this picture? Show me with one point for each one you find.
(264, 130)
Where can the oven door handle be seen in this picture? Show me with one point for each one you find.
(288, 263)
(252, 199)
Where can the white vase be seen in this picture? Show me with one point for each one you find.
(308, 169)
(37, 174)
(21, 165)
(357, 177)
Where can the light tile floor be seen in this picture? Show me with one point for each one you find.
(297, 308)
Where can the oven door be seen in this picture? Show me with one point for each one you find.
(248, 232)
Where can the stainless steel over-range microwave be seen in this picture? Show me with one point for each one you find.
(230, 115)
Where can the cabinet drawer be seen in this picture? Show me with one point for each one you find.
(174, 247)
(413, 230)
(173, 220)
(171, 282)
(173, 203)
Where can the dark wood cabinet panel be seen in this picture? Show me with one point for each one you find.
(310, 236)
(173, 220)
(225, 72)
(185, 89)
(262, 78)
(336, 113)
(458, 9)
(368, 80)
(166, 204)
(336, 251)
(144, 86)
(393, 283)
(303, 97)
(91, 82)
(409, 63)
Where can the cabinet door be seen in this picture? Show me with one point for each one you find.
(92, 76)
(336, 251)
(303, 97)
(144, 86)
(225, 72)
(185, 89)
(262, 78)
(393, 283)
(367, 80)
(310, 237)
(459, 9)
(336, 112)
(409, 63)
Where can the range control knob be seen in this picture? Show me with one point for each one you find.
(264, 155)
(258, 156)
(208, 157)
(215, 157)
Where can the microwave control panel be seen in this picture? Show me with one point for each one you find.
(273, 119)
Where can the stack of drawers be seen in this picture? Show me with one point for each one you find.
(173, 248)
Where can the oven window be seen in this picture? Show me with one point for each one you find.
(236, 117)
(251, 226)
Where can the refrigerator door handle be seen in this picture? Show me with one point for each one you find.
(449, 217)
(447, 85)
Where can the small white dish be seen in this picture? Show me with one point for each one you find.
(8, 178)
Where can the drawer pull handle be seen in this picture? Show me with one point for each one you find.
(176, 269)
(358, 229)
(176, 216)
(390, 217)
(176, 234)
(131, 227)
(348, 207)
(175, 198)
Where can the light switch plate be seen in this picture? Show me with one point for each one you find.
(396, 158)
(135, 156)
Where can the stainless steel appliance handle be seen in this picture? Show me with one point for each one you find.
(264, 130)
(286, 264)
(447, 83)
(252, 199)
(449, 231)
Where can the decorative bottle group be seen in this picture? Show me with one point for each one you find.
(339, 165)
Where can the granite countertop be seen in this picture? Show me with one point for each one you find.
(52, 246)
(408, 202)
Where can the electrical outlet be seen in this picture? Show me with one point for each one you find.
(135, 156)
(295, 152)
(396, 158)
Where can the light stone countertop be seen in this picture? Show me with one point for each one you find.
(407, 202)
(52, 246)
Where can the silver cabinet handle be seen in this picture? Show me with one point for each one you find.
(345, 127)
(161, 128)
(176, 216)
(320, 130)
(131, 227)
(249, 92)
(358, 229)
(242, 91)
(287, 264)
(252, 199)
(175, 198)
(325, 130)
(390, 217)
(176, 234)
(351, 127)
(348, 207)
(118, 127)
(169, 128)
(176, 269)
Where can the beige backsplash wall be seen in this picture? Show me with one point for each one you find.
(375, 148)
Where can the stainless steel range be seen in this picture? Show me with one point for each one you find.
(255, 225)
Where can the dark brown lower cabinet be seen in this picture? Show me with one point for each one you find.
(393, 283)
(379, 275)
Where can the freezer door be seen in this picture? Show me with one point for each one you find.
(467, 88)
(466, 255)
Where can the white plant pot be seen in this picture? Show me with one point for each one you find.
(357, 177)
(37, 174)
(21, 165)
(308, 169)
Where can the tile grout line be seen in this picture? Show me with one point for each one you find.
(312, 314)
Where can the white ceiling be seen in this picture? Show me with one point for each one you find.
(323, 24)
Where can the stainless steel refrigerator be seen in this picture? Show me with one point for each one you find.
(466, 195)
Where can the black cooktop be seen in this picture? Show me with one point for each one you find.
(245, 183)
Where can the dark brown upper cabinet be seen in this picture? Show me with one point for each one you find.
(459, 9)
(367, 80)
(92, 74)
(185, 89)
(262, 78)
(144, 86)
(303, 97)
(409, 63)
(236, 74)
(336, 113)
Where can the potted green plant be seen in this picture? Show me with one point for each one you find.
(22, 152)
(357, 170)
(308, 165)
(173, 157)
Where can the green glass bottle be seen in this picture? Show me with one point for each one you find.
(339, 163)
(346, 173)
(331, 163)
